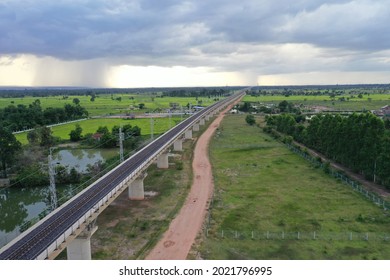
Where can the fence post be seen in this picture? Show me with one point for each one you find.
(350, 236)
(267, 234)
(314, 235)
(222, 234)
(252, 235)
(298, 235)
(282, 234)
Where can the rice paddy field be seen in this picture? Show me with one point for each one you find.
(106, 104)
(269, 203)
(160, 125)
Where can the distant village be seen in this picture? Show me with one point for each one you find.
(383, 112)
(268, 108)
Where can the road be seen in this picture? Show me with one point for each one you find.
(177, 241)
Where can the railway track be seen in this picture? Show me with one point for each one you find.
(35, 241)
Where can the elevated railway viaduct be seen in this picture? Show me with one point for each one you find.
(71, 225)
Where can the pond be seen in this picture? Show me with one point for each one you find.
(82, 158)
(18, 206)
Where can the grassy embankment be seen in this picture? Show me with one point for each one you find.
(261, 187)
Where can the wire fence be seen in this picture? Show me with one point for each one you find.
(302, 235)
(299, 235)
(343, 177)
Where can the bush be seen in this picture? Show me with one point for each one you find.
(267, 129)
(327, 167)
(287, 139)
(250, 119)
(179, 165)
(31, 176)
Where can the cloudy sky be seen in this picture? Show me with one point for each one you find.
(152, 43)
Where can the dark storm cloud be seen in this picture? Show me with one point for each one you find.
(194, 33)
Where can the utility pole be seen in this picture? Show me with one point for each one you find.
(52, 188)
(151, 128)
(121, 138)
(170, 117)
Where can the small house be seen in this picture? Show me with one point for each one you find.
(383, 112)
(97, 136)
(386, 110)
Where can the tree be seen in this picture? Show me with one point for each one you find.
(9, 146)
(102, 130)
(250, 119)
(383, 162)
(76, 101)
(284, 106)
(33, 137)
(141, 106)
(36, 176)
(387, 123)
(45, 134)
(108, 140)
(75, 135)
(246, 107)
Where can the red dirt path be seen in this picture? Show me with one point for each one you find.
(178, 239)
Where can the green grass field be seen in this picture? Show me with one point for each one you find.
(367, 102)
(261, 187)
(106, 104)
(91, 125)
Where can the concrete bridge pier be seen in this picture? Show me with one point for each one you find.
(136, 188)
(162, 161)
(195, 127)
(178, 145)
(80, 247)
(207, 117)
(188, 134)
(202, 122)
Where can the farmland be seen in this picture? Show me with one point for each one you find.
(350, 102)
(269, 203)
(109, 104)
(91, 125)
(106, 106)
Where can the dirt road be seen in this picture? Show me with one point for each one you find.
(178, 239)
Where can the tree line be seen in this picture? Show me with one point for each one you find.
(22, 117)
(109, 139)
(359, 141)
